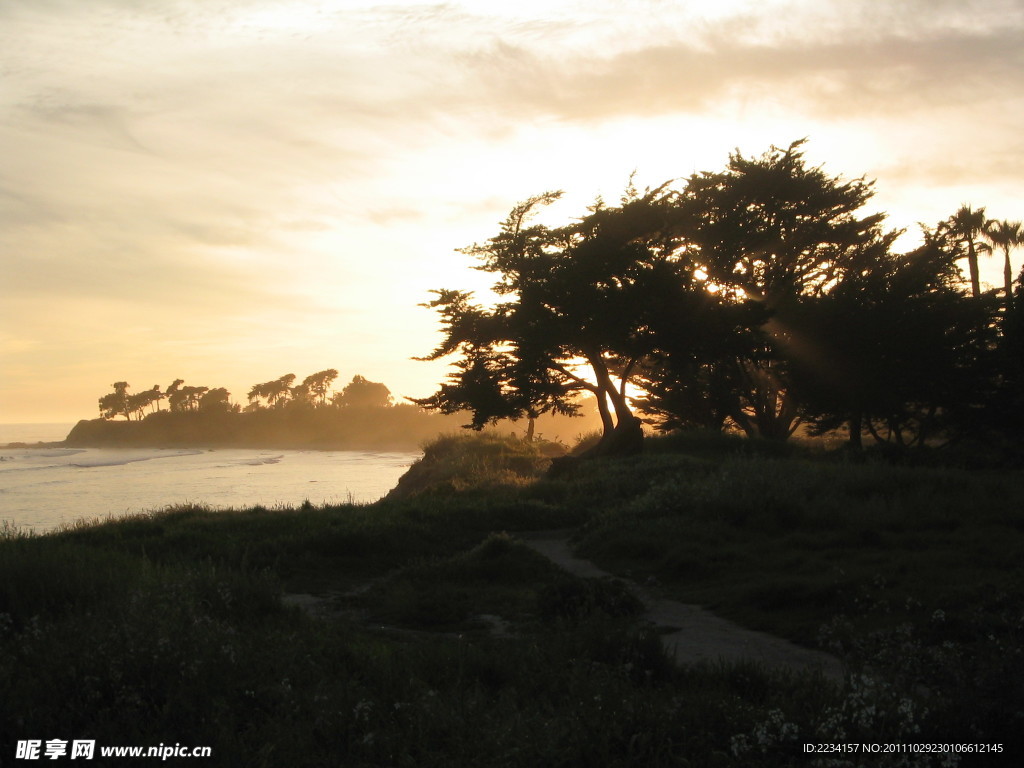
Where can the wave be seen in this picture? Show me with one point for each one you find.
(40, 453)
(13, 465)
(39, 484)
(262, 460)
(105, 459)
(230, 462)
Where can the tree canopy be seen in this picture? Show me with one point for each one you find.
(580, 304)
(758, 297)
(363, 393)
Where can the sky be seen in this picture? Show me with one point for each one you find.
(226, 191)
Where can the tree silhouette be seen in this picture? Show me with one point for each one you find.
(153, 397)
(279, 390)
(363, 393)
(216, 401)
(1008, 407)
(688, 293)
(490, 379)
(487, 381)
(137, 403)
(191, 397)
(694, 379)
(579, 304)
(894, 348)
(774, 231)
(773, 227)
(116, 403)
(276, 392)
(122, 403)
(1007, 235)
(967, 226)
(317, 385)
(300, 396)
(175, 397)
(257, 393)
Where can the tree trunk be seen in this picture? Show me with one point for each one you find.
(607, 423)
(972, 263)
(1008, 280)
(622, 436)
(773, 408)
(874, 433)
(855, 428)
(607, 387)
(626, 437)
(743, 421)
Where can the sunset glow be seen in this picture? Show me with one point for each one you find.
(228, 192)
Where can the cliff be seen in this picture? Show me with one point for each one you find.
(396, 428)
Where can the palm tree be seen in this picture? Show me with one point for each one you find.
(318, 383)
(175, 398)
(1007, 235)
(968, 226)
(278, 391)
(258, 391)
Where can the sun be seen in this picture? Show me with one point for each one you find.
(284, 18)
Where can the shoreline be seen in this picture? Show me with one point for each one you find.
(45, 487)
(19, 445)
(372, 429)
(208, 447)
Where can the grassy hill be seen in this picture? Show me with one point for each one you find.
(181, 626)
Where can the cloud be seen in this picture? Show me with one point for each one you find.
(878, 74)
(187, 166)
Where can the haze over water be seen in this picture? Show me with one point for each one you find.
(42, 488)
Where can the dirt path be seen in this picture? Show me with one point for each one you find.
(691, 633)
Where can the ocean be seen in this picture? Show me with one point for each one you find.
(44, 488)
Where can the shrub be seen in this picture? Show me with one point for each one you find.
(462, 462)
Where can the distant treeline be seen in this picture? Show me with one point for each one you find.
(279, 414)
(313, 392)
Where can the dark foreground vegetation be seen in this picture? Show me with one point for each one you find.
(177, 627)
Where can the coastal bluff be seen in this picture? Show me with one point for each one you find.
(395, 428)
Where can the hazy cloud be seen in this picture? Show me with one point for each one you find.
(876, 71)
(263, 166)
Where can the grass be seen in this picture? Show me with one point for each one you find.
(822, 532)
(170, 627)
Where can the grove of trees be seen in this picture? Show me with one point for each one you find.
(757, 298)
(282, 393)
